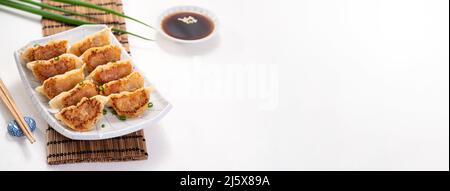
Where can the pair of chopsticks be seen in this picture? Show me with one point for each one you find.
(9, 102)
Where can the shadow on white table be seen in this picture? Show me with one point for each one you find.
(180, 49)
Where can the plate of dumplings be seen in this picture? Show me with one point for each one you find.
(86, 86)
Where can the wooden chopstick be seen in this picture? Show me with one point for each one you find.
(17, 117)
(16, 113)
(9, 102)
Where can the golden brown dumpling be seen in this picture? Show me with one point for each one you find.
(111, 71)
(131, 82)
(84, 115)
(60, 83)
(130, 104)
(44, 69)
(52, 49)
(97, 39)
(83, 89)
(94, 57)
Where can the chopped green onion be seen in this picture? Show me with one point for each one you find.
(150, 104)
(36, 45)
(103, 125)
(105, 111)
(101, 88)
(56, 58)
(114, 112)
(122, 117)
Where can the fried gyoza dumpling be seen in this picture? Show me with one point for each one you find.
(130, 104)
(97, 39)
(44, 69)
(111, 71)
(131, 82)
(84, 115)
(83, 89)
(52, 49)
(60, 83)
(94, 57)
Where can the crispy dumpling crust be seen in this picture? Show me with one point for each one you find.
(60, 83)
(44, 69)
(47, 51)
(84, 115)
(131, 82)
(94, 57)
(111, 71)
(130, 104)
(83, 89)
(97, 39)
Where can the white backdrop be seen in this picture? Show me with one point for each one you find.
(288, 85)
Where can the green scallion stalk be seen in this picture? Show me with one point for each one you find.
(46, 6)
(58, 17)
(94, 6)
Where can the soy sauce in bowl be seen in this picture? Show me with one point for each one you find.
(188, 26)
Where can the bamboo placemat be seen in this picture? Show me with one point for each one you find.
(62, 150)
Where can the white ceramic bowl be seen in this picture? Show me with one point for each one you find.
(113, 126)
(193, 9)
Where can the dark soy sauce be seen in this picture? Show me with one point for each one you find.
(187, 26)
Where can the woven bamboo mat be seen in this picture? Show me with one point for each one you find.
(61, 150)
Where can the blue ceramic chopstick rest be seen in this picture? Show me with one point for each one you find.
(14, 128)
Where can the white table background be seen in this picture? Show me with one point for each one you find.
(288, 85)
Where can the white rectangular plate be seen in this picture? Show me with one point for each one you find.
(113, 127)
